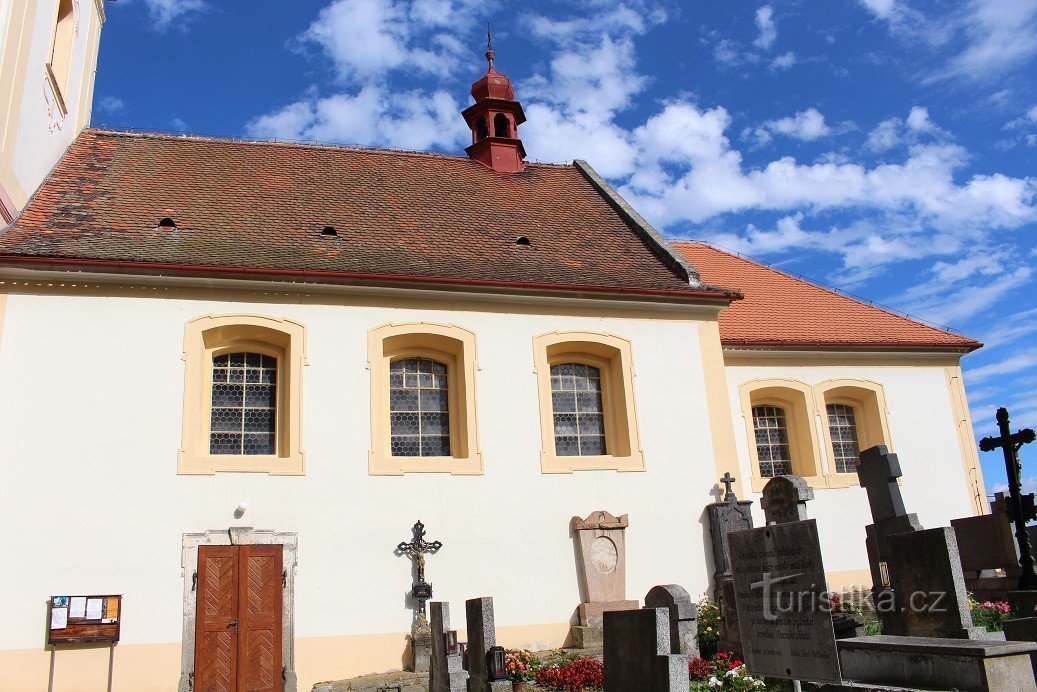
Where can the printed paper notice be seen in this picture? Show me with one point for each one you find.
(58, 618)
(94, 608)
(111, 609)
(77, 608)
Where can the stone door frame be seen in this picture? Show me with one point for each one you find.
(242, 535)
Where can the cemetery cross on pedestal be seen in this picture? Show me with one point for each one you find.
(421, 591)
(728, 480)
(1020, 507)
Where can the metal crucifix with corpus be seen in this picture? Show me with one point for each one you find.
(1021, 507)
(421, 591)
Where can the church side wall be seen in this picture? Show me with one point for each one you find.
(921, 416)
(90, 420)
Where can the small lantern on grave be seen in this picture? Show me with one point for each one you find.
(450, 641)
(496, 668)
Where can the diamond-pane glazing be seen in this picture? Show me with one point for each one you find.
(845, 447)
(579, 416)
(244, 416)
(419, 417)
(772, 441)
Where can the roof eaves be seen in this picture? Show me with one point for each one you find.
(656, 242)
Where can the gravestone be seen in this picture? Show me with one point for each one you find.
(638, 653)
(918, 583)
(446, 673)
(781, 601)
(724, 517)
(684, 636)
(785, 499)
(987, 547)
(602, 573)
(482, 636)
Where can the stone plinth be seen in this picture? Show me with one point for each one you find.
(637, 653)
(421, 645)
(938, 664)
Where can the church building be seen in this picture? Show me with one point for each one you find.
(235, 373)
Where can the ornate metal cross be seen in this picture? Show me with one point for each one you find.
(1020, 507)
(421, 591)
(728, 480)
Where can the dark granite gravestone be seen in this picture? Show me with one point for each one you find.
(785, 499)
(683, 617)
(987, 547)
(482, 636)
(724, 517)
(638, 654)
(919, 586)
(445, 671)
(781, 599)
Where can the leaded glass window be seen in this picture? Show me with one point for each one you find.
(772, 441)
(244, 404)
(419, 416)
(579, 418)
(843, 428)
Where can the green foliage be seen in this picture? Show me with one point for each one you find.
(873, 628)
(990, 615)
(710, 616)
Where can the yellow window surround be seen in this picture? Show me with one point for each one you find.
(213, 335)
(454, 347)
(612, 356)
(60, 65)
(810, 441)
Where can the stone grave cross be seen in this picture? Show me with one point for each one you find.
(1021, 507)
(878, 473)
(728, 480)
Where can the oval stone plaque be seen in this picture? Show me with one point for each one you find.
(604, 555)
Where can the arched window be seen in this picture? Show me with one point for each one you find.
(501, 126)
(772, 440)
(244, 404)
(61, 49)
(419, 417)
(842, 426)
(482, 130)
(579, 417)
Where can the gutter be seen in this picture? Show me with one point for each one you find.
(785, 345)
(137, 268)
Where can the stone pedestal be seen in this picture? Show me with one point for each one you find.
(938, 664)
(421, 645)
(602, 573)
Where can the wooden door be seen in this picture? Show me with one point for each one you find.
(238, 626)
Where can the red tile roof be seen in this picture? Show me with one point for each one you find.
(782, 311)
(256, 209)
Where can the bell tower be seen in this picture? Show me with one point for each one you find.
(494, 119)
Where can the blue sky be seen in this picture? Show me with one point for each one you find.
(884, 147)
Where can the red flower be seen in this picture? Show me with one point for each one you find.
(700, 668)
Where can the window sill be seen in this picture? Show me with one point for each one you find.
(552, 463)
(208, 465)
(59, 99)
(383, 465)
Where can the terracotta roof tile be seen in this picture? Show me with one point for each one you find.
(261, 206)
(782, 311)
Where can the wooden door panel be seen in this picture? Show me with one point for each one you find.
(216, 646)
(259, 655)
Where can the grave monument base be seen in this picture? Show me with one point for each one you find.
(928, 663)
(1023, 603)
(586, 636)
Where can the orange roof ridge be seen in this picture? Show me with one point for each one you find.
(148, 134)
(782, 309)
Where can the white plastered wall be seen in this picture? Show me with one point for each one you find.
(923, 435)
(90, 420)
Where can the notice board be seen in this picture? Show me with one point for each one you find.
(82, 619)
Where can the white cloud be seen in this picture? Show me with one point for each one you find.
(805, 126)
(1000, 34)
(885, 136)
(918, 120)
(111, 105)
(894, 132)
(883, 9)
(1022, 324)
(1012, 364)
(783, 61)
(765, 24)
(165, 14)
(179, 125)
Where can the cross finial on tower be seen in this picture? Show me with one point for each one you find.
(490, 55)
